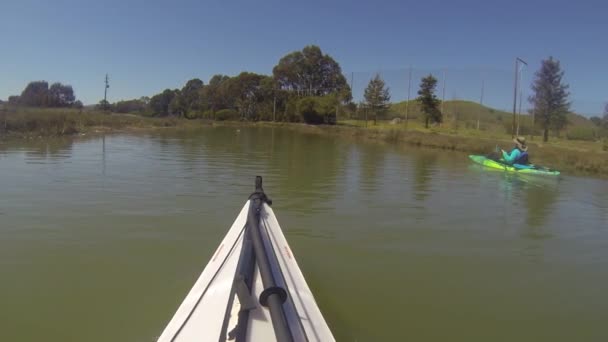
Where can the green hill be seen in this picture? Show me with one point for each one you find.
(466, 113)
(578, 120)
(462, 110)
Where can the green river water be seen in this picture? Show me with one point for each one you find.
(102, 238)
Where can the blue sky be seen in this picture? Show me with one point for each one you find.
(147, 46)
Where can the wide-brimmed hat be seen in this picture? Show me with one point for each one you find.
(521, 143)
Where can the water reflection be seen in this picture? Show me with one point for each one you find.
(302, 169)
(371, 162)
(539, 200)
(535, 195)
(424, 170)
(103, 155)
(45, 150)
(600, 202)
(308, 165)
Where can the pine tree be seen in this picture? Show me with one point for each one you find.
(550, 99)
(377, 96)
(429, 103)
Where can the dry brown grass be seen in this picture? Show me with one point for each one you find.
(67, 121)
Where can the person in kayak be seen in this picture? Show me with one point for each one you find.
(518, 155)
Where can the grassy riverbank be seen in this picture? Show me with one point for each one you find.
(569, 156)
(580, 157)
(36, 122)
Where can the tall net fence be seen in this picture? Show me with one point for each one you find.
(472, 97)
(462, 84)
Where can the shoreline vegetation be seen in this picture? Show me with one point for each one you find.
(307, 91)
(568, 156)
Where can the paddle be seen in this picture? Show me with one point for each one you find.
(495, 156)
(273, 296)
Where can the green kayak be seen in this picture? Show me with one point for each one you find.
(524, 169)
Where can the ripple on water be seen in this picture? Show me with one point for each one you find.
(147, 208)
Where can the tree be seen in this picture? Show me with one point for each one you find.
(246, 91)
(103, 105)
(187, 102)
(212, 95)
(269, 97)
(60, 95)
(35, 94)
(176, 105)
(377, 96)
(137, 106)
(14, 100)
(601, 122)
(596, 120)
(38, 94)
(550, 99)
(159, 103)
(78, 104)
(429, 103)
(310, 73)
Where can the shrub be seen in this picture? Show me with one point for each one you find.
(207, 114)
(129, 106)
(227, 114)
(306, 107)
(317, 110)
(193, 114)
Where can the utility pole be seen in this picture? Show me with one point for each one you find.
(480, 103)
(352, 83)
(105, 93)
(443, 95)
(409, 87)
(517, 61)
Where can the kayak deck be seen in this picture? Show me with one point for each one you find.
(224, 304)
(524, 169)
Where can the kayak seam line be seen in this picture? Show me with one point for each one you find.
(178, 331)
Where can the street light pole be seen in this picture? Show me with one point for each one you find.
(409, 87)
(443, 95)
(480, 102)
(517, 61)
(520, 101)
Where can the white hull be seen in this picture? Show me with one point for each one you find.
(210, 310)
